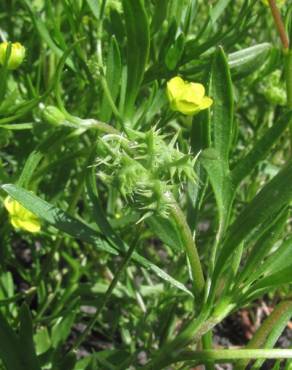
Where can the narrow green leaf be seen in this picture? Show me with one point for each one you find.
(222, 117)
(219, 176)
(278, 260)
(62, 328)
(35, 157)
(261, 149)
(8, 346)
(138, 41)
(190, 16)
(30, 165)
(57, 218)
(253, 267)
(26, 344)
(283, 276)
(268, 202)
(113, 76)
(45, 35)
(42, 340)
(94, 7)
(288, 365)
(166, 231)
(218, 10)
(159, 15)
(200, 132)
(175, 52)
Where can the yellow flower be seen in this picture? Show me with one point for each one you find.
(20, 217)
(187, 97)
(16, 57)
(278, 2)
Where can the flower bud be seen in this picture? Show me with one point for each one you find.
(187, 97)
(17, 54)
(53, 115)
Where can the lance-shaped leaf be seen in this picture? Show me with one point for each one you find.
(26, 347)
(219, 176)
(138, 41)
(113, 76)
(222, 95)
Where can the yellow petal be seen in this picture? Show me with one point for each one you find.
(206, 103)
(9, 204)
(32, 225)
(20, 217)
(187, 97)
(194, 93)
(175, 88)
(186, 107)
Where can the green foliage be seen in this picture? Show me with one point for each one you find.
(155, 226)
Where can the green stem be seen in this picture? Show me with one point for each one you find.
(223, 355)
(207, 343)
(288, 57)
(190, 246)
(108, 293)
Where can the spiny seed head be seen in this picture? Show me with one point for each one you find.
(144, 168)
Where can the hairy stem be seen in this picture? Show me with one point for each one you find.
(190, 247)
